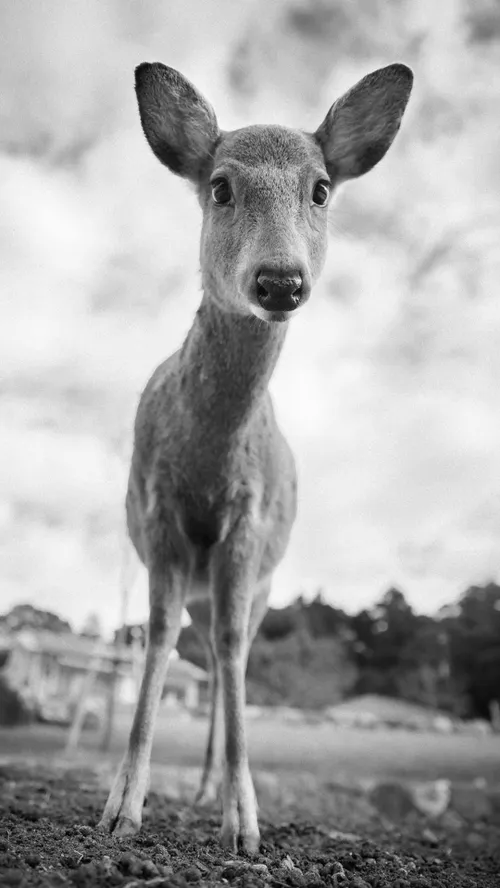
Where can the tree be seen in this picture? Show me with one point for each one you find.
(26, 616)
(384, 631)
(300, 670)
(474, 637)
(425, 674)
(92, 627)
(279, 623)
(390, 659)
(323, 619)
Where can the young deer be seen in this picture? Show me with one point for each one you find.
(212, 490)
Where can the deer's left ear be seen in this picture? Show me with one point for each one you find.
(360, 127)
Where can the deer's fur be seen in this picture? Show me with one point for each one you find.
(212, 491)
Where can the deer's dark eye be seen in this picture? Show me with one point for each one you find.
(321, 193)
(221, 192)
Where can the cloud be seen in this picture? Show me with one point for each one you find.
(387, 387)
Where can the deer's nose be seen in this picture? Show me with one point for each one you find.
(279, 292)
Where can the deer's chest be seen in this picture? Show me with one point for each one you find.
(211, 501)
(205, 499)
(197, 486)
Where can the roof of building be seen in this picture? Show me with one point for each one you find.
(183, 670)
(77, 650)
(61, 643)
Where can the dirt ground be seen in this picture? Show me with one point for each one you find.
(48, 838)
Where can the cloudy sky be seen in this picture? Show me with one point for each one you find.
(388, 388)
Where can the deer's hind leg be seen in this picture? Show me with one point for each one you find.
(211, 780)
(201, 616)
(123, 812)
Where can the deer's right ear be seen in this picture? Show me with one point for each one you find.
(179, 124)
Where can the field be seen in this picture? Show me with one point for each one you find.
(343, 755)
(318, 829)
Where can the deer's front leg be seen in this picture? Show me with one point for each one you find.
(123, 812)
(235, 567)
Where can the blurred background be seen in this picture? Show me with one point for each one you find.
(388, 387)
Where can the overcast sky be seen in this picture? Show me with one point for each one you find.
(388, 388)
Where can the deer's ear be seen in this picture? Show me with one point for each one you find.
(179, 124)
(361, 125)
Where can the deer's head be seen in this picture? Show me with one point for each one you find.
(265, 190)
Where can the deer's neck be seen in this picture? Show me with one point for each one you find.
(228, 360)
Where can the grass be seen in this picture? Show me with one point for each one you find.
(340, 755)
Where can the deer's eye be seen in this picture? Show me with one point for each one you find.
(221, 192)
(321, 193)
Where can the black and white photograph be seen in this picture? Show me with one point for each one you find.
(250, 443)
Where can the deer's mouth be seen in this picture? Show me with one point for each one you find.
(270, 317)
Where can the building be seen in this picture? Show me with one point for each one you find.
(186, 684)
(54, 669)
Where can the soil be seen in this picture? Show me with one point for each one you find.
(48, 838)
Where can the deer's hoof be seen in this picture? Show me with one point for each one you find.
(235, 841)
(210, 794)
(125, 826)
(120, 826)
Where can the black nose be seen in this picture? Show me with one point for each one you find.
(277, 292)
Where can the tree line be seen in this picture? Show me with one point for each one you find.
(312, 654)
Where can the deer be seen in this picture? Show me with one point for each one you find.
(212, 491)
